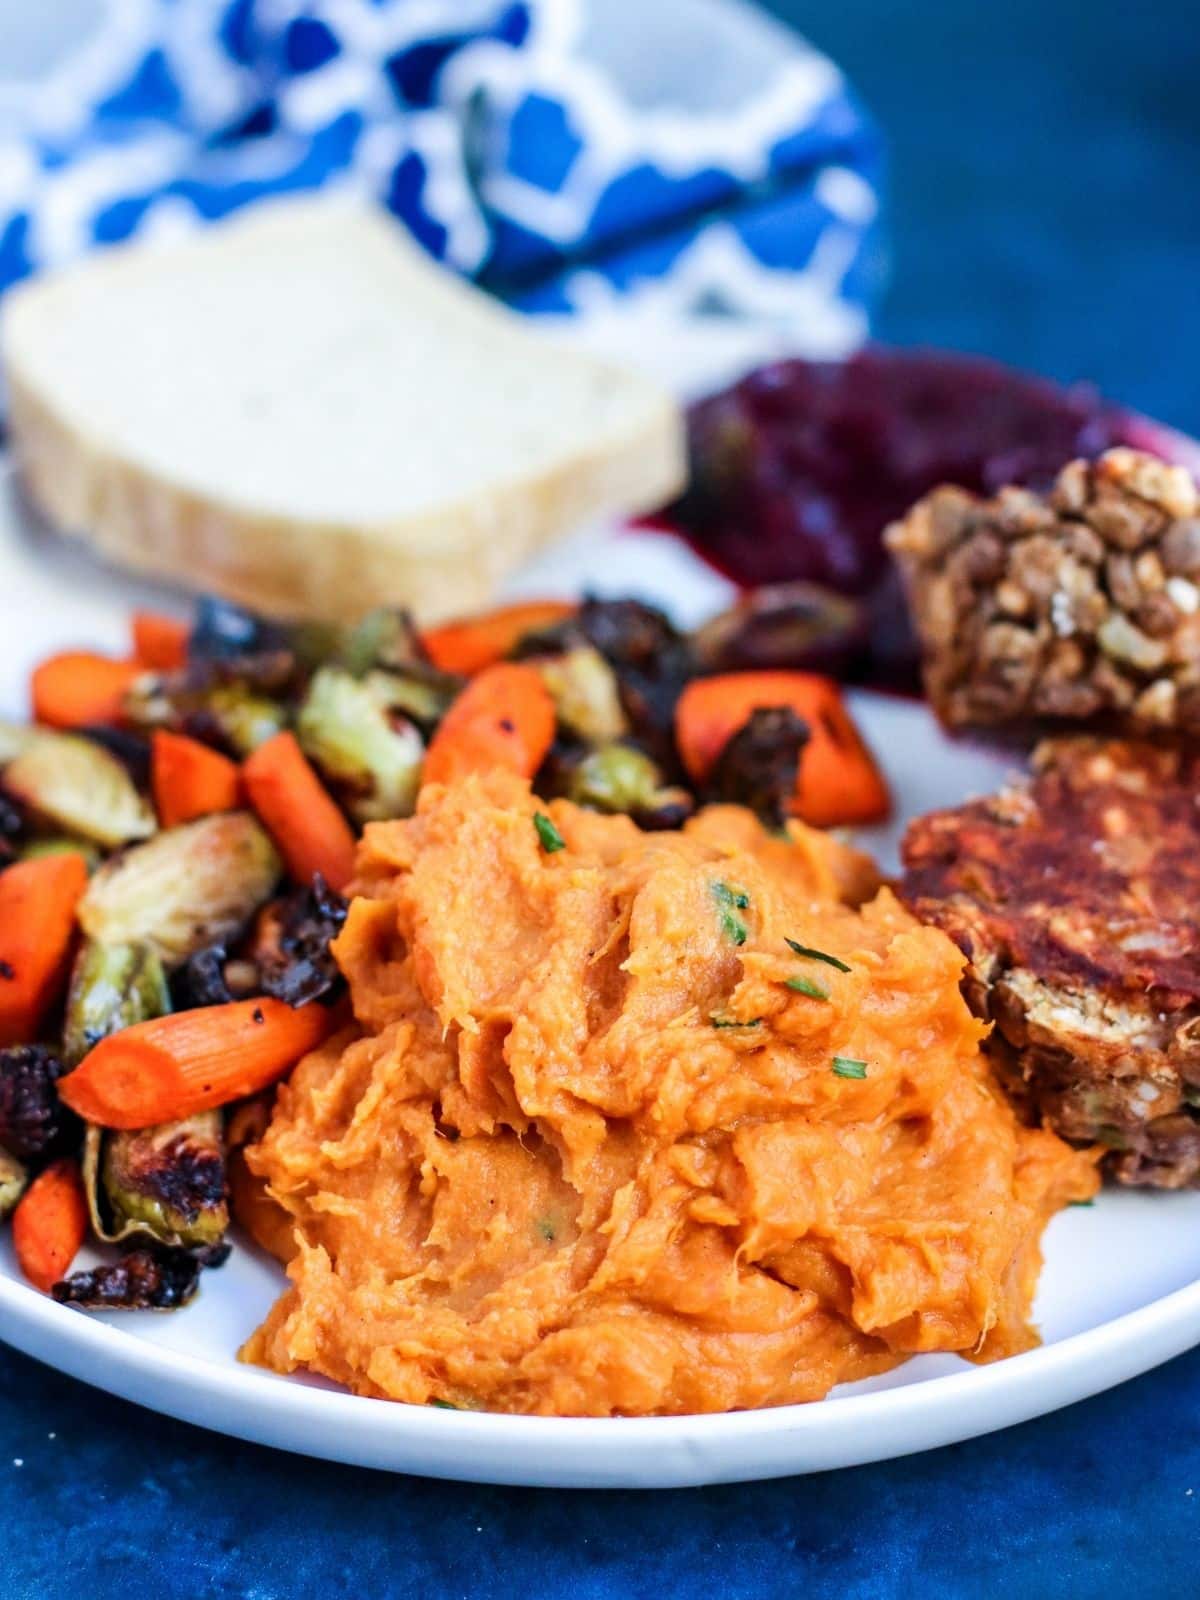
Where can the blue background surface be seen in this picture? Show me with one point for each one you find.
(1046, 158)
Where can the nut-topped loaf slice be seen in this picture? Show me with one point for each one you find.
(1073, 895)
(1083, 604)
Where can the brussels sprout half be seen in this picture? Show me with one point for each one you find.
(374, 762)
(73, 784)
(167, 1182)
(112, 987)
(189, 887)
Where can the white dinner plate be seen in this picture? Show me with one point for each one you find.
(1118, 1295)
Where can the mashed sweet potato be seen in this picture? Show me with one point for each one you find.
(594, 1147)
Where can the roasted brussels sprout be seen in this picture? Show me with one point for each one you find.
(370, 758)
(385, 638)
(651, 658)
(785, 625)
(139, 1280)
(132, 750)
(34, 1123)
(73, 784)
(586, 694)
(188, 888)
(13, 1179)
(14, 738)
(621, 778)
(112, 987)
(759, 765)
(167, 1182)
(211, 702)
(291, 946)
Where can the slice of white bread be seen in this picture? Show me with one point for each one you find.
(299, 410)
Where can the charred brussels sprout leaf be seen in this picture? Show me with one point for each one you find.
(619, 778)
(759, 764)
(784, 625)
(201, 980)
(384, 638)
(132, 750)
(141, 1280)
(112, 987)
(167, 1182)
(373, 760)
(585, 693)
(34, 1123)
(292, 951)
(188, 888)
(13, 1179)
(73, 784)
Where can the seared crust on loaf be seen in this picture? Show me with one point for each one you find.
(1074, 895)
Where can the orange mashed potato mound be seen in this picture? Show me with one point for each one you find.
(589, 1149)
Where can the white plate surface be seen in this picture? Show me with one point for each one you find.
(1118, 1294)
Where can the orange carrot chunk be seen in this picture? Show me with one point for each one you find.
(312, 834)
(50, 1224)
(503, 718)
(37, 924)
(189, 780)
(469, 644)
(175, 1066)
(78, 688)
(160, 643)
(838, 782)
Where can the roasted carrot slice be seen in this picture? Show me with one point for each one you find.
(175, 1066)
(189, 780)
(160, 643)
(469, 644)
(50, 1224)
(298, 812)
(77, 688)
(503, 718)
(839, 781)
(37, 924)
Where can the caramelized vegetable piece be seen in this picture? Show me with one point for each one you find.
(385, 638)
(189, 780)
(800, 625)
(73, 784)
(167, 1182)
(621, 778)
(112, 987)
(298, 812)
(50, 1224)
(78, 687)
(503, 718)
(37, 924)
(160, 644)
(469, 644)
(14, 1178)
(141, 1280)
(586, 695)
(230, 704)
(839, 781)
(291, 948)
(189, 887)
(370, 758)
(760, 765)
(173, 1067)
(34, 1123)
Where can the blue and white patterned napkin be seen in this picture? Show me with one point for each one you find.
(570, 154)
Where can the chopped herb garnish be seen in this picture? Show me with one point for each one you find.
(734, 1022)
(726, 895)
(551, 839)
(732, 925)
(806, 986)
(1081, 1202)
(846, 1067)
(816, 955)
(443, 1405)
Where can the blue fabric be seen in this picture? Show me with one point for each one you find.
(523, 141)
